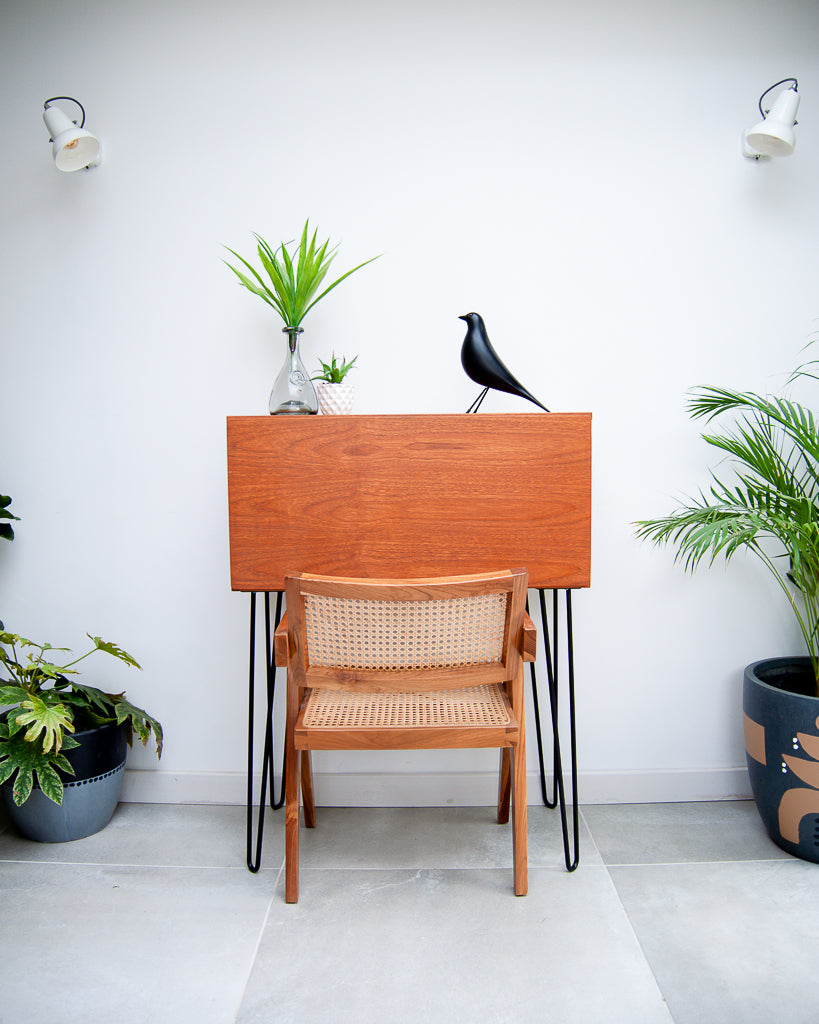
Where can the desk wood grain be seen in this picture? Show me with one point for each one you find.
(409, 496)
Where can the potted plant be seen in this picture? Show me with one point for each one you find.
(291, 282)
(335, 394)
(62, 742)
(770, 508)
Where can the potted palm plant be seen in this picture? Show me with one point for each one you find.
(291, 281)
(62, 742)
(335, 394)
(770, 508)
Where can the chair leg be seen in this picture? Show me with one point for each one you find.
(504, 785)
(520, 818)
(291, 813)
(308, 803)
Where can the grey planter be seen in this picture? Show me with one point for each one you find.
(782, 747)
(90, 796)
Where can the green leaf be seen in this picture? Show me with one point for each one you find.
(12, 722)
(140, 722)
(7, 769)
(24, 761)
(117, 652)
(332, 373)
(5, 501)
(12, 694)
(336, 283)
(257, 287)
(50, 783)
(69, 743)
(47, 670)
(90, 700)
(294, 276)
(23, 785)
(45, 720)
(771, 506)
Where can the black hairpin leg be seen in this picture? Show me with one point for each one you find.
(571, 853)
(267, 755)
(572, 859)
(547, 800)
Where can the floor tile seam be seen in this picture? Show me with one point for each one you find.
(552, 869)
(260, 938)
(631, 926)
(129, 864)
(695, 863)
(590, 834)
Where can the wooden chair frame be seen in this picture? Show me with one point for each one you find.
(291, 647)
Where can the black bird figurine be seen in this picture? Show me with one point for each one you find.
(483, 365)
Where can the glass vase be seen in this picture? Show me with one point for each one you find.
(293, 393)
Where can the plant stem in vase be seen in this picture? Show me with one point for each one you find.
(293, 393)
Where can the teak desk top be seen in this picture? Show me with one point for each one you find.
(410, 496)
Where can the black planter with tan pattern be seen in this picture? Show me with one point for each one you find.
(781, 714)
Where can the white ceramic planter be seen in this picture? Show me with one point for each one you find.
(335, 399)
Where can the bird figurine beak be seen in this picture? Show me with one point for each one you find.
(483, 364)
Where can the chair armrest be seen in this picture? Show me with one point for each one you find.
(529, 638)
(281, 643)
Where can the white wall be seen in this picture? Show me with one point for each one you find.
(571, 172)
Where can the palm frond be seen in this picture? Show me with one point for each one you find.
(773, 449)
(808, 369)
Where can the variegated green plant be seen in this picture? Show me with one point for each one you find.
(294, 276)
(43, 707)
(770, 507)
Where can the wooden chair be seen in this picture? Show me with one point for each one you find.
(400, 665)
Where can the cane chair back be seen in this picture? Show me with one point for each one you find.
(405, 664)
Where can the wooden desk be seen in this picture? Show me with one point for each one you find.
(409, 496)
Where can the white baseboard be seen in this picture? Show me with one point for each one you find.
(468, 789)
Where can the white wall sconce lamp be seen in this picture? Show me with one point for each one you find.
(73, 146)
(774, 135)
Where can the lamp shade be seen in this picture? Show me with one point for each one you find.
(774, 135)
(73, 148)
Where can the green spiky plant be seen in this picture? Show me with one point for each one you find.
(43, 708)
(294, 275)
(773, 496)
(333, 373)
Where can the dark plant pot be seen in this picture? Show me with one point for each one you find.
(90, 796)
(781, 714)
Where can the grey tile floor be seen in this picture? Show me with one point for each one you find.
(678, 912)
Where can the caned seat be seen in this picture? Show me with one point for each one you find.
(405, 664)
